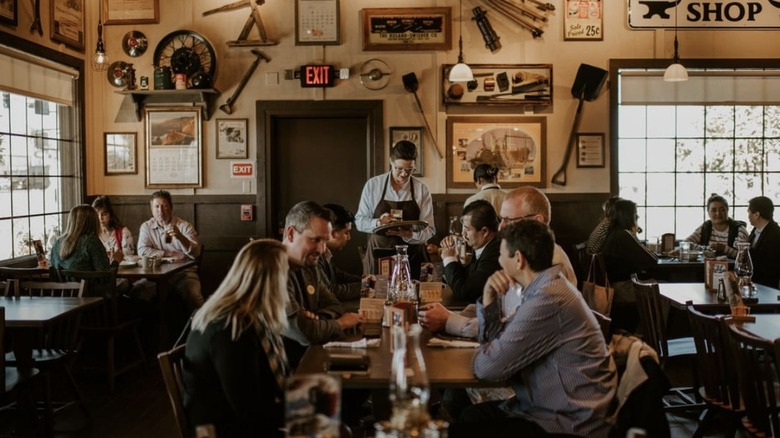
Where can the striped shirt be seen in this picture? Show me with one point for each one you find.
(554, 355)
(718, 237)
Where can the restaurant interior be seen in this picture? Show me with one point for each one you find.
(286, 102)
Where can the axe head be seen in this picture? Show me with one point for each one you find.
(410, 82)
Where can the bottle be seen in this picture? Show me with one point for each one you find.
(743, 267)
(721, 290)
(409, 388)
(401, 287)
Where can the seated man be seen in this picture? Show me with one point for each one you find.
(344, 285)
(551, 349)
(165, 235)
(764, 242)
(314, 312)
(480, 226)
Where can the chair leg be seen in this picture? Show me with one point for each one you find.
(704, 419)
(140, 349)
(110, 364)
(77, 393)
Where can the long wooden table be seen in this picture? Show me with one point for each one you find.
(677, 294)
(767, 325)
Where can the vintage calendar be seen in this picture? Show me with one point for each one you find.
(317, 22)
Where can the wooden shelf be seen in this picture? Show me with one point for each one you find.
(204, 97)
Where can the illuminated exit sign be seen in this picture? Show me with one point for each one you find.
(318, 76)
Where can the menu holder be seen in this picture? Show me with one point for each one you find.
(714, 270)
(385, 265)
(667, 243)
(431, 292)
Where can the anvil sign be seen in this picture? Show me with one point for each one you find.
(734, 14)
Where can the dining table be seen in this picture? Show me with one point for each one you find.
(766, 325)
(677, 294)
(676, 270)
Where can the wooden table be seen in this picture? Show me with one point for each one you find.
(767, 325)
(679, 271)
(679, 293)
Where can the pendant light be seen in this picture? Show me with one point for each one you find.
(461, 72)
(100, 58)
(675, 72)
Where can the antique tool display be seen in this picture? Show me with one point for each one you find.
(489, 35)
(227, 107)
(36, 24)
(135, 43)
(587, 86)
(501, 84)
(375, 74)
(523, 14)
(254, 20)
(411, 84)
(186, 52)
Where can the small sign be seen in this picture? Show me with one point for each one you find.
(318, 76)
(242, 170)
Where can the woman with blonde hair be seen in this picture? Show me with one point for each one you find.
(80, 249)
(235, 364)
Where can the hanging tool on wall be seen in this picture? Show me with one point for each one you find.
(520, 13)
(411, 84)
(227, 107)
(254, 19)
(36, 24)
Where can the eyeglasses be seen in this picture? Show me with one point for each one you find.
(404, 170)
(509, 220)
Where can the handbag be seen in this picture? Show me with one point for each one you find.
(597, 297)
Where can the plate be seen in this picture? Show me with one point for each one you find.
(128, 263)
(168, 259)
(401, 225)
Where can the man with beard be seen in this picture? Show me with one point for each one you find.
(315, 315)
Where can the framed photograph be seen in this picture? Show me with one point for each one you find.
(121, 153)
(131, 11)
(407, 28)
(590, 150)
(583, 21)
(414, 134)
(67, 22)
(232, 141)
(9, 12)
(174, 147)
(317, 23)
(500, 85)
(516, 145)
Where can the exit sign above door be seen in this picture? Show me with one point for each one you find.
(318, 76)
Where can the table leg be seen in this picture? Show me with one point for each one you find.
(23, 340)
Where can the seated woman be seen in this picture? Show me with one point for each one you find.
(235, 364)
(114, 236)
(721, 232)
(486, 181)
(597, 236)
(624, 255)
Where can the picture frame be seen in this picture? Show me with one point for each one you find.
(131, 11)
(415, 134)
(590, 149)
(500, 85)
(516, 145)
(232, 138)
(407, 28)
(174, 147)
(67, 22)
(121, 152)
(317, 22)
(583, 21)
(9, 12)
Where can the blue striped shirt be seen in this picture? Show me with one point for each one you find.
(554, 355)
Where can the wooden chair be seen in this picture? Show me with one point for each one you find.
(105, 322)
(171, 366)
(651, 313)
(719, 388)
(21, 274)
(12, 377)
(758, 375)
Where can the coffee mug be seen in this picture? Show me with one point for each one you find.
(146, 262)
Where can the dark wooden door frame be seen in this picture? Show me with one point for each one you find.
(267, 111)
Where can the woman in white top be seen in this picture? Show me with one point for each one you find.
(486, 180)
(721, 232)
(114, 236)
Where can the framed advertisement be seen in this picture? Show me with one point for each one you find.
(414, 134)
(583, 21)
(131, 11)
(590, 150)
(317, 23)
(174, 148)
(9, 12)
(121, 153)
(407, 28)
(500, 85)
(516, 145)
(232, 141)
(67, 22)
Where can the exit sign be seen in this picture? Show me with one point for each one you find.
(318, 76)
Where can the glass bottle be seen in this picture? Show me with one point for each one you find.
(401, 286)
(409, 388)
(743, 267)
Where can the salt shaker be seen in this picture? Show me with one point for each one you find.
(721, 290)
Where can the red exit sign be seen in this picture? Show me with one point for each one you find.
(242, 169)
(318, 76)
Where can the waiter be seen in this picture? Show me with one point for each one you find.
(396, 196)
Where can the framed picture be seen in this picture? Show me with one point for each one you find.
(9, 12)
(131, 11)
(121, 153)
(500, 85)
(590, 150)
(407, 28)
(516, 145)
(174, 149)
(67, 22)
(317, 23)
(232, 141)
(414, 134)
(583, 21)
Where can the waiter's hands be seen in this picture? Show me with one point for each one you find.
(386, 218)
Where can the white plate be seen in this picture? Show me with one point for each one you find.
(168, 259)
(127, 263)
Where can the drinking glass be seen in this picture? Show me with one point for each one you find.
(685, 250)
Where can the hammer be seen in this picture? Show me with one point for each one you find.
(227, 106)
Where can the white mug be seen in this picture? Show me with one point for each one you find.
(146, 262)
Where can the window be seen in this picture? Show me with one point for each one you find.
(40, 152)
(677, 143)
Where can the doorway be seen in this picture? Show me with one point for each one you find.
(322, 151)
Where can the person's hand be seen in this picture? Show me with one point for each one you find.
(349, 320)
(433, 317)
(432, 249)
(386, 218)
(719, 247)
(117, 255)
(498, 283)
(450, 242)
(310, 315)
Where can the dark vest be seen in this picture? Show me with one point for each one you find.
(706, 231)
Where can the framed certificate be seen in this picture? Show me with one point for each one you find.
(317, 23)
(67, 22)
(590, 150)
(407, 29)
(131, 11)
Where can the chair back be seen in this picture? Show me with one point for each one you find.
(13, 275)
(61, 336)
(715, 364)
(51, 288)
(99, 284)
(171, 365)
(758, 378)
(651, 312)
